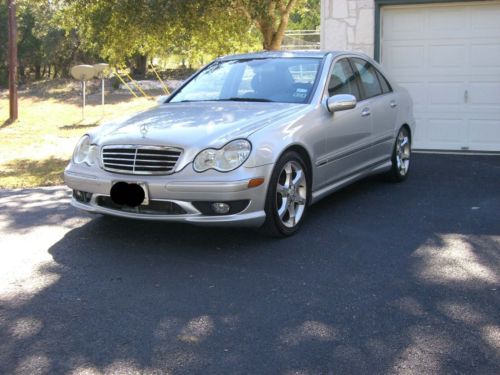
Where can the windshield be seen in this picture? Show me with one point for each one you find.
(284, 80)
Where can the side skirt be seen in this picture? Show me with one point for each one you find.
(339, 184)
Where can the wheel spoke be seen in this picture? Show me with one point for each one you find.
(299, 200)
(298, 177)
(284, 208)
(281, 189)
(291, 212)
(288, 170)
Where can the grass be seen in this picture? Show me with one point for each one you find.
(21, 173)
(35, 149)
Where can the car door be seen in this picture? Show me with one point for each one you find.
(347, 132)
(382, 103)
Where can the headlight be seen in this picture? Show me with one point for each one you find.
(85, 152)
(229, 157)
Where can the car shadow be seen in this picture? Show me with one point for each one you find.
(382, 278)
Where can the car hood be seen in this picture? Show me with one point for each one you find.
(195, 125)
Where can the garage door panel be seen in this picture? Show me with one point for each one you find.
(484, 134)
(448, 57)
(485, 55)
(445, 93)
(485, 20)
(419, 135)
(485, 94)
(404, 23)
(406, 56)
(435, 59)
(446, 130)
(442, 21)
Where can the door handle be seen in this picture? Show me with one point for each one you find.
(366, 112)
(393, 104)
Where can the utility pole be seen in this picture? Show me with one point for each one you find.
(13, 108)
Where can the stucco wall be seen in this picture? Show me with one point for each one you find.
(348, 25)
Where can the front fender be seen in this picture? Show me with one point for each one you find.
(269, 143)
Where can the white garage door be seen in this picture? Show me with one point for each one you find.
(448, 57)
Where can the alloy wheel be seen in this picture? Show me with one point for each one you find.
(291, 194)
(403, 152)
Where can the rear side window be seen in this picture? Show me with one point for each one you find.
(383, 82)
(368, 77)
(343, 80)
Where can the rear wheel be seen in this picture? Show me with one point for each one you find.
(401, 156)
(287, 196)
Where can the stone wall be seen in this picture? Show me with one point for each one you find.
(348, 25)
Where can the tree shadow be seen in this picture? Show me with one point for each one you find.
(80, 125)
(382, 278)
(6, 123)
(29, 172)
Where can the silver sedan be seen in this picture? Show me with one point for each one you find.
(249, 140)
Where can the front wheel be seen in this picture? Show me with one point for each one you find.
(287, 197)
(401, 156)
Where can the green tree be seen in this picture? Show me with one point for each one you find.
(271, 17)
(132, 30)
(56, 34)
(122, 29)
(306, 17)
(29, 45)
(44, 48)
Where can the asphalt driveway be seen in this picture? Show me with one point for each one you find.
(383, 278)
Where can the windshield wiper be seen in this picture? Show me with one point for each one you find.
(236, 99)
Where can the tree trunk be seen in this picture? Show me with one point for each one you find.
(267, 34)
(22, 74)
(273, 34)
(273, 40)
(279, 35)
(140, 67)
(38, 72)
(65, 71)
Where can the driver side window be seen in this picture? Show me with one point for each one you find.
(343, 80)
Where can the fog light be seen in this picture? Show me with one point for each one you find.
(82, 196)
(221, 208)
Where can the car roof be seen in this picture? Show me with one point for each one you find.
(276, 54)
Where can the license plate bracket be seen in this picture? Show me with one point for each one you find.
(143, 185)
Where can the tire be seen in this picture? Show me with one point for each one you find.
(401, 156)
(287, 197)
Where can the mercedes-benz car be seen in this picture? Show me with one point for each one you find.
(249, 140)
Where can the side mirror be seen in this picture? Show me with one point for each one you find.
(340, 102)
(162, 99)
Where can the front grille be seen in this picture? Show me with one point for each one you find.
(142, 160)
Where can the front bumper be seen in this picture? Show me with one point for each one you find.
(181, 188)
